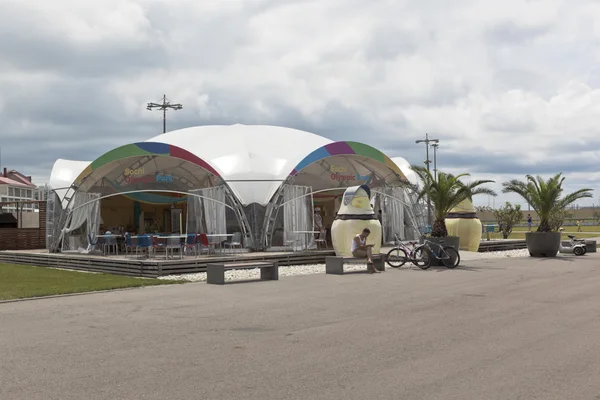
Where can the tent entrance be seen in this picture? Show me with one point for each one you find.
(289, 219)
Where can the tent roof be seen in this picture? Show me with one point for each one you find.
(344, 164)
(405, 168)
(253, 159)
(63, 175)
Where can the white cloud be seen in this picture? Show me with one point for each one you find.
(508, 87)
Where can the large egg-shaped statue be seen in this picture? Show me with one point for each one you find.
(462, 221)
(354, 215)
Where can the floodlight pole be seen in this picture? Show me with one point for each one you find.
(427, 162)
(165, 104)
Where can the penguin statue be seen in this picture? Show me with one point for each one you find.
(354, 215)
(462, 221)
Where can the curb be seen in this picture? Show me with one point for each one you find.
(54, 296)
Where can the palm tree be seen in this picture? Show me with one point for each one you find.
(544, 196)
(446, 193)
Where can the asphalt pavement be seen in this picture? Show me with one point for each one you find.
(517, 328)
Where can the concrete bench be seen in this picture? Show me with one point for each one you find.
(215, 273)
(335, 265)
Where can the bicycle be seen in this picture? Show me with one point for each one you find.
(448, 255)
(401, 254)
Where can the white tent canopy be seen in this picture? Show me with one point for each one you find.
(254, 160)
(406, 170)
(64, 173)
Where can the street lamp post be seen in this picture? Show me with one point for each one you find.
(164, 106)
(435, 147)
(427, 162)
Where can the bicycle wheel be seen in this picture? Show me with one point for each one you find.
(450, 257)
(396, 257)
(422, 257)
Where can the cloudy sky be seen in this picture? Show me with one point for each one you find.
(509, 87)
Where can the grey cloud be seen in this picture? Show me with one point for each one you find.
(509, 123)
(513, 78)
(39, 47)
(75, 116)
(486, 163)
(509, 33)
(389, 42)
(211, 39)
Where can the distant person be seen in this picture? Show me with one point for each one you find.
(578, 226)
(360, 249)
(380, 218)
(529, 222)
(318, 222)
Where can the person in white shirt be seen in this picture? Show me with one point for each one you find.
(318, 222)
(360, 249)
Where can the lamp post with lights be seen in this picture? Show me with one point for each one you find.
(427, 140)
(166, 104)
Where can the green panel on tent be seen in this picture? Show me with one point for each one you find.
(367, 151)
(130, 150)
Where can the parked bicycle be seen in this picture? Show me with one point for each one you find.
(402, 253)
(448, 255)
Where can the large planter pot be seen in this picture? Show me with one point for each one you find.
(449, 241)
(543, 244)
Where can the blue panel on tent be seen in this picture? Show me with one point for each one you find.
(156, 148)
(316, 155)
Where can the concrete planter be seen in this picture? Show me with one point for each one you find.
(449, 241)
(542, 244)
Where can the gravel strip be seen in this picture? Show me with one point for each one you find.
(308, 269)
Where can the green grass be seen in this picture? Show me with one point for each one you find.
(23, 281)
(586, 232)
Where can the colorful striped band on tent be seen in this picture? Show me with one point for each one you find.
(144, 149)
(347, 148)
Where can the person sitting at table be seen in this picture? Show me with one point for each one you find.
(360, 249)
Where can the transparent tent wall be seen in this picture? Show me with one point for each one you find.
(255, 214)
(277, 229)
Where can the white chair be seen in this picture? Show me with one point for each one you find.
(321, 240)
(236, 242)
(172, 244)
(290, 244)
(109, 243)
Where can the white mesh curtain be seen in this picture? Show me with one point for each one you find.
(298, 216)
(393, 214)
(83, 220)
(53, 216)
(213, 204)
(195, 213)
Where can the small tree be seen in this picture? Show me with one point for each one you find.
(558, 217)
(507, 217)
(597, 217)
